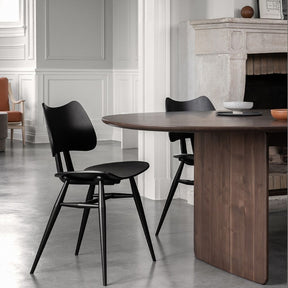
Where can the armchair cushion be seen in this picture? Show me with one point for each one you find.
(4, 100)
(14, 116)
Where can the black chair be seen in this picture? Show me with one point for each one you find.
(70, 129)
(201, 103)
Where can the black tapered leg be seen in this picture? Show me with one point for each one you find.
(85, 216)
(53, 216)
(170, 196)
(102, 225)
(141, 214)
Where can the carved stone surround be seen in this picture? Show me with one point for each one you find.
(220, 49)
(218, 55)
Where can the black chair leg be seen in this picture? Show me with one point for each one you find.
(170, 196)
(85, 216)
(142, 217)
(102, 225)
(50, 224)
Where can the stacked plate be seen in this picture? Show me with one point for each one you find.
(238, 108)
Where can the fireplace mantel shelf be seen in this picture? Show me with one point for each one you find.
(240, 21)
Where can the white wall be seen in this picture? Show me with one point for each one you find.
(125, 31)
(219, 9)
(74, 34)
(125, 66)
(90, 57)
(181, 12)
(93, 34)
(72, 50)
(17, 47)
(74, 58)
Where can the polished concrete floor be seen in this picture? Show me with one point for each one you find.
(28, 190)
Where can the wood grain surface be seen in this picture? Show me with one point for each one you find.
(195, 121)
(231, 202)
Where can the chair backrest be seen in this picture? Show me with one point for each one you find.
(201, 103)
(69, 129)
(4, 99)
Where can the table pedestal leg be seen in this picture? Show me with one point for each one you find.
(231, 202)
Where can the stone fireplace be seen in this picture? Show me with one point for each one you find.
(236, 59)
(217, 51)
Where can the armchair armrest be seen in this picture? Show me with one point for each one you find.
(14, 102)
(18, 101)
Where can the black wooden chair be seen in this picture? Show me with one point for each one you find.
(70, 129)
(201, 103)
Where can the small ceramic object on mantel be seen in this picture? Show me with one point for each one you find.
(238, 107)
(247, 12)
(279, 114)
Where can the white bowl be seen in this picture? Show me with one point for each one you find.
(238, 107)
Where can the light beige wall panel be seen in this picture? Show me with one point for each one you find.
(12, 52)
(73, 34)
(80, 36)
(125, 34)
(91, 89)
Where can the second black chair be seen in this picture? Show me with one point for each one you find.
(201, 103)
(70, 129)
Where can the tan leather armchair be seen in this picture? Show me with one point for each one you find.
(15, 117)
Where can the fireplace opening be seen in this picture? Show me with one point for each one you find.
(266, 91)
(266, 87)
(266, 80)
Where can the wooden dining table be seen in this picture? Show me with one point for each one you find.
(231, 183)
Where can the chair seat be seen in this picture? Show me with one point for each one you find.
(122, 170)
(186, 158)
(88, 177)
(14, 116)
